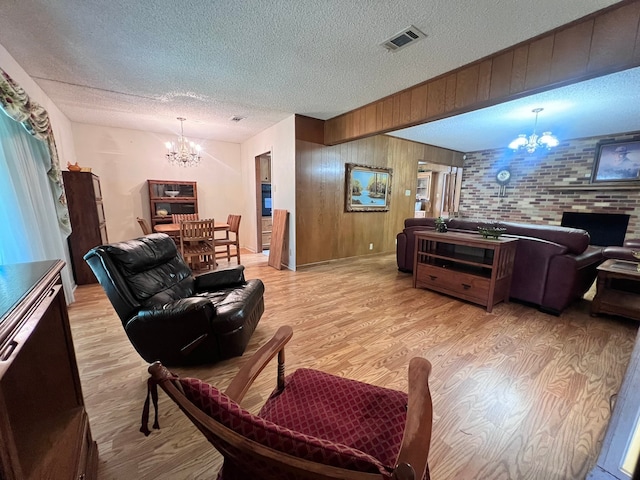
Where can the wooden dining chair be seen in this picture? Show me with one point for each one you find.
(196, 240)
(234, 227)
(146, 229)
(180, 217)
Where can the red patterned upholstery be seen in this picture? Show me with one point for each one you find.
(313, 426)
(319, 417)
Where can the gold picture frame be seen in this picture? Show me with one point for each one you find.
(368, 189)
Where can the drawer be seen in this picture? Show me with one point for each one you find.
(266, 239)
(267, 223)
(464, 285)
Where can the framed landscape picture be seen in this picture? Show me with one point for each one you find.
(616, 162)
(368, 189)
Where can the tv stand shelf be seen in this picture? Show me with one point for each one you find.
(465, 265)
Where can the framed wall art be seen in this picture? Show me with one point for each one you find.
(368, 189)
(616, 162)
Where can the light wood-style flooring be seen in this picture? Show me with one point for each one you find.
(517, 394)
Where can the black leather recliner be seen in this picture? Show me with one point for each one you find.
(168, 314)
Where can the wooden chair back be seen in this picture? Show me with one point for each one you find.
(196, 240)
(234, 223)
(227, 242)
(146, 229)
(181, 217)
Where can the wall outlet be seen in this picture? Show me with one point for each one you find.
(407, 193)
(371, 246)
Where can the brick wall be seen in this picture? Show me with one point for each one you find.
(529, 197)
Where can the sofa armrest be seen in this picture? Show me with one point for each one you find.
(219, 279)
(531, 267)
(172, 330)
(632, 243)
(570, 276)
(621, 253)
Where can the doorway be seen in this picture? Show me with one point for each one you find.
(438, 190)
(264, 206)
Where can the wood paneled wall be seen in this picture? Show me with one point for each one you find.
(601, 43)
(324, 230)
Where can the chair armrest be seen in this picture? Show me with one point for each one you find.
(632, 243)
(417, 433)
(173, 330)
(177, 312)
(219, 279)
(250, 371)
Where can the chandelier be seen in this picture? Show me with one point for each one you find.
(532, 142)
(183, 152)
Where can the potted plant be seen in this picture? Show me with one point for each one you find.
(441, 225)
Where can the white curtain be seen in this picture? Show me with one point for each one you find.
(30, 228)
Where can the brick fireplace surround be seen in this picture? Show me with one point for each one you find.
(530, 196)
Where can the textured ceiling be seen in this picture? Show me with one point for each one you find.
(140, 64)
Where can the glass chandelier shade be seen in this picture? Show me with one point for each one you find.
(532, 142)
(183, 152)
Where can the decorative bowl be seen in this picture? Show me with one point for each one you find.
(491, 231)
(162, 212)
(172, 193)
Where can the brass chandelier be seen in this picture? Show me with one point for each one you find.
(183, 152)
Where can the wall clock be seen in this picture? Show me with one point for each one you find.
(503, 176)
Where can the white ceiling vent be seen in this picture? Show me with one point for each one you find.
(400, 40)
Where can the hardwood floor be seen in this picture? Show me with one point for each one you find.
(518, 394)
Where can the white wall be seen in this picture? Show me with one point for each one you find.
(280, 141)
(125, 159)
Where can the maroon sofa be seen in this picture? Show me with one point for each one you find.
(553, 266)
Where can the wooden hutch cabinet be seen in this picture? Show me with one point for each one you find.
(167, 197)
(89, 229)
(44, 427)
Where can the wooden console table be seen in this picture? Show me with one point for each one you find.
(617, 289)
(465, 265)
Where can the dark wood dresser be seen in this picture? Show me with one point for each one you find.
(89, 229)
(44, 428)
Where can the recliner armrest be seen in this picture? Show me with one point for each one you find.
(219, 279)
(173, 330)
(176, 311)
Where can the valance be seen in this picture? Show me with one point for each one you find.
(34, 118)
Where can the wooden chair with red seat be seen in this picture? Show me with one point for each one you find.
(234, 227)
(196, 240)
(313, 426)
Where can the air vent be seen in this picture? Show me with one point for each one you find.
(236, 118)
(400, 40)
